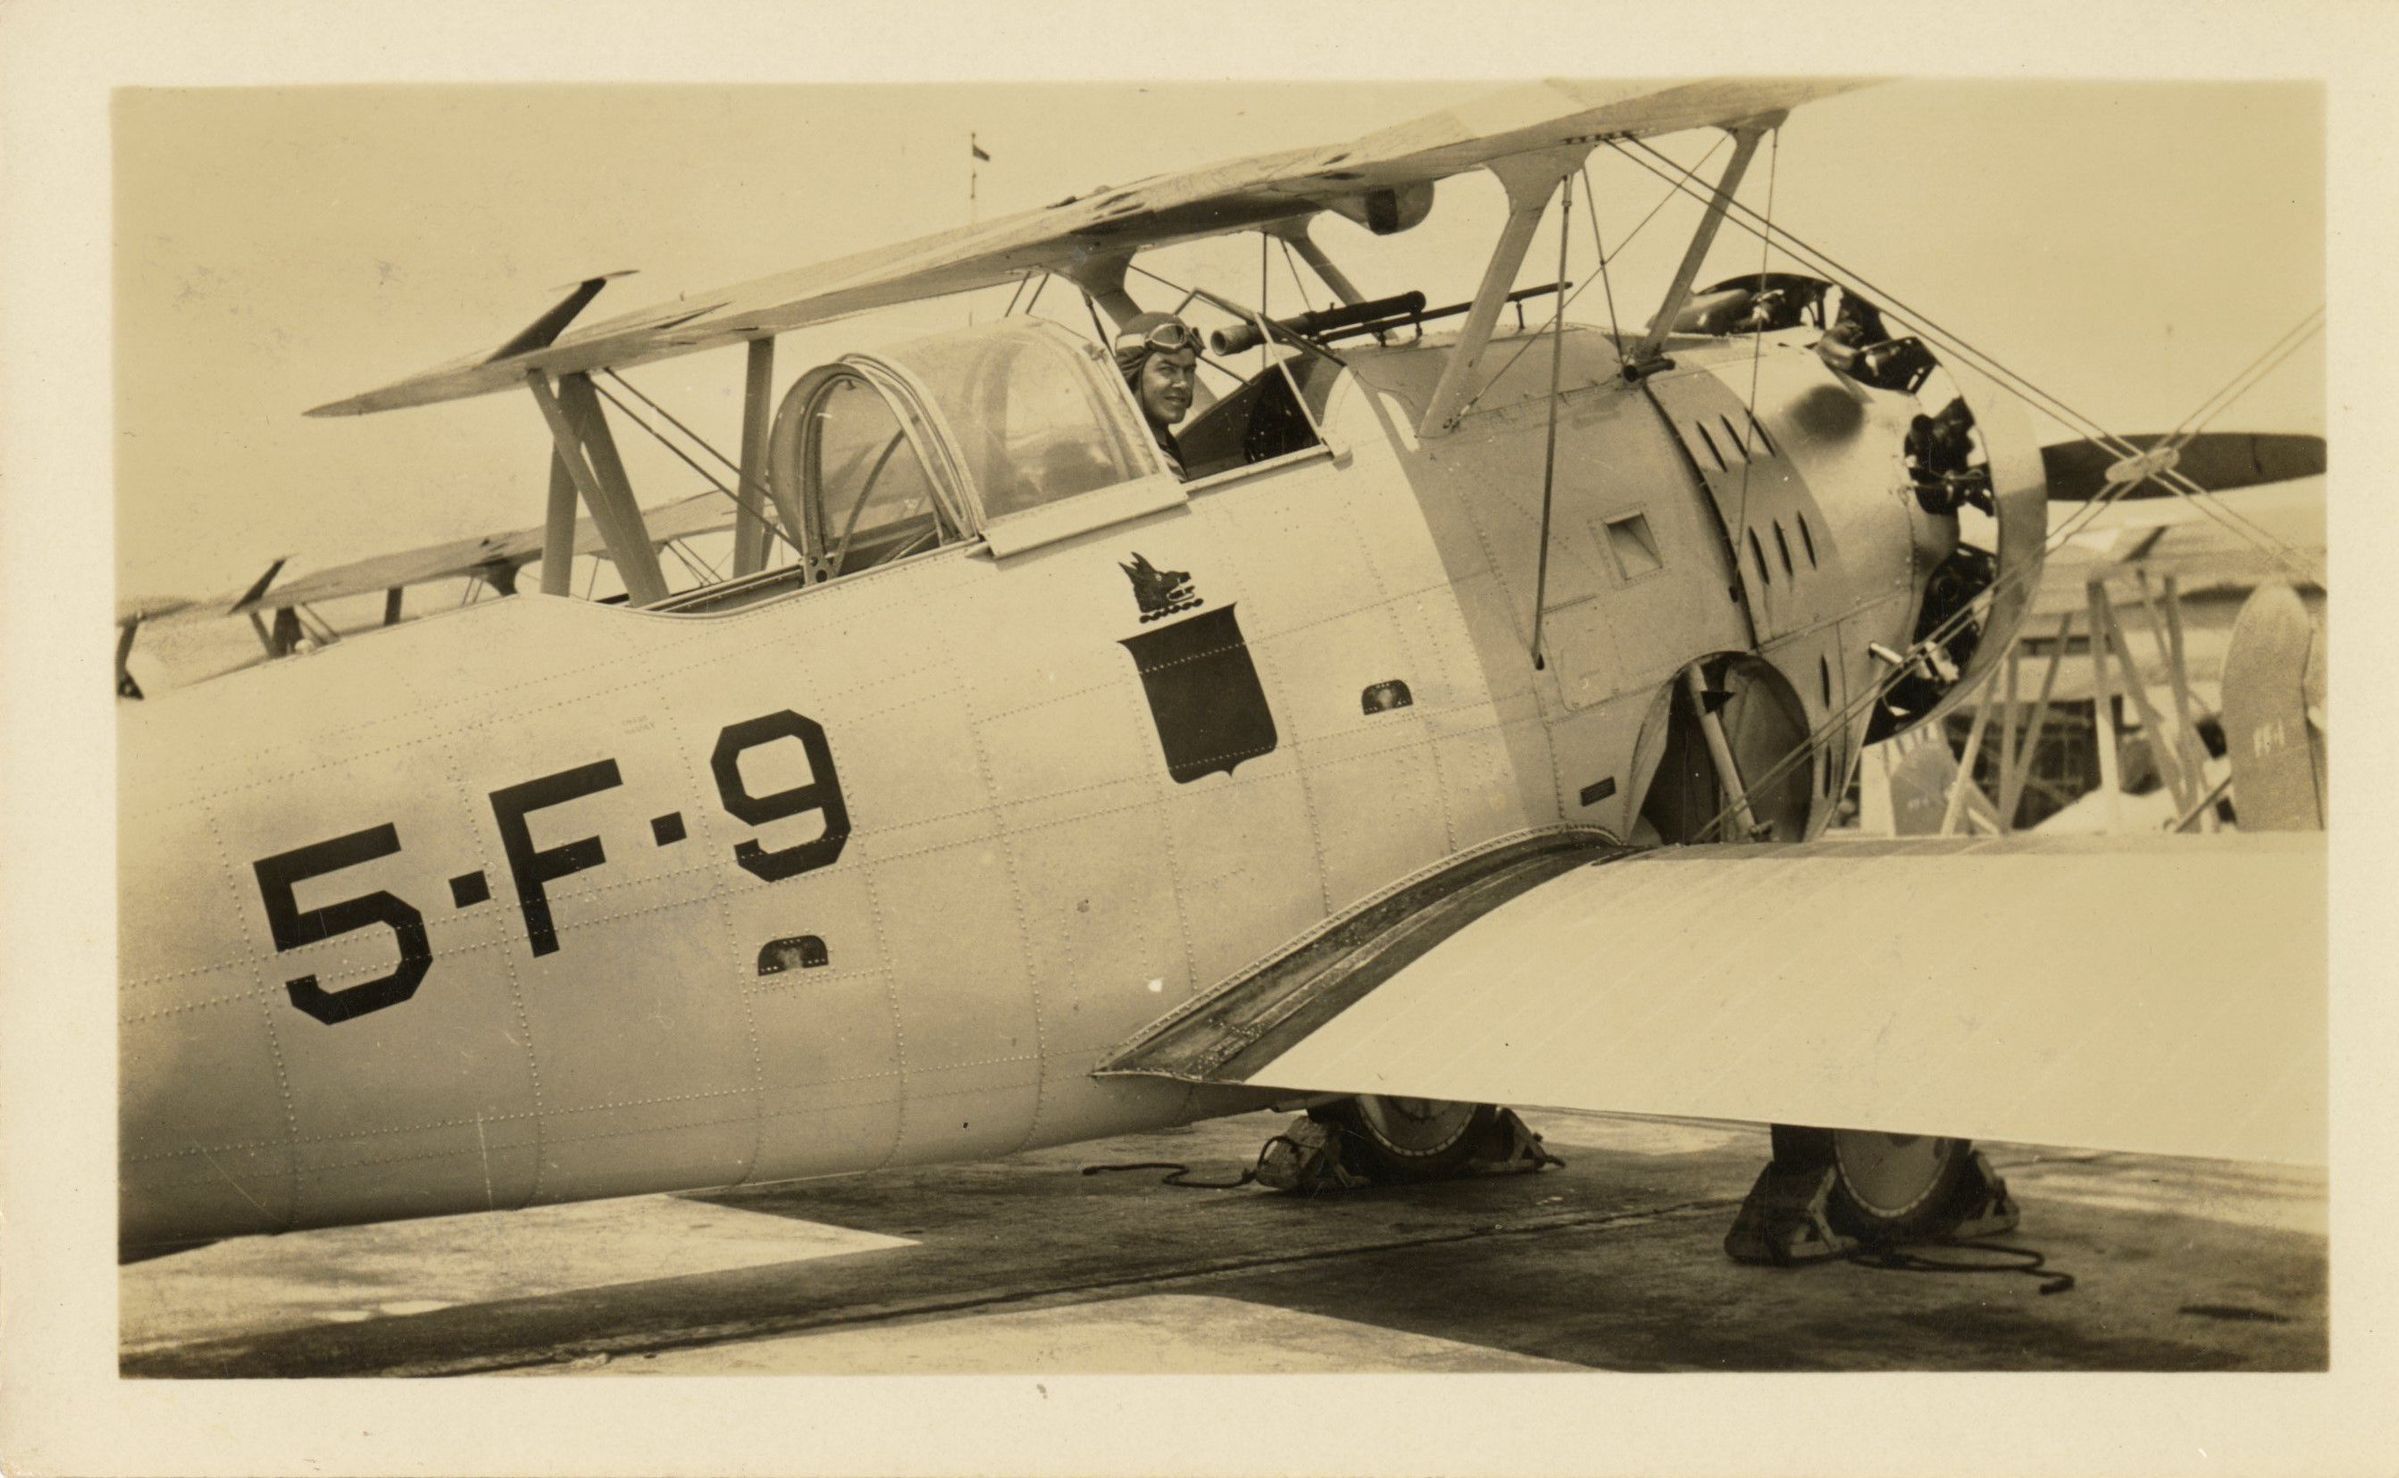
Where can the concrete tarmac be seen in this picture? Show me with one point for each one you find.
(1027, 1265)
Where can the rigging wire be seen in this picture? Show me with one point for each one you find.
(1549, 460)
(1599, 250)
(1306, 303)
(2015, 383)
(767, 518)
(1824, 261)
(764, 515)
(730, 465)
(324, 634)
(1838, 721)
(700, 569)
(1671, 191)
(2256, 370)
(682, 558)
(1265, 341)
(1757, 341)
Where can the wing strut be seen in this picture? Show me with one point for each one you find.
(542, 332)
(558, 529)
(1102, 280)
(757, 421)
(579, 430)
(1705, 701)
(1296, 233)
(126, 686)
(1530, 179)
(1745, 147)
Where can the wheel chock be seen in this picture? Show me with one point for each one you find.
(1308, 1158)
(1985, 1208)
(1511, 1148)
(1782, 1220)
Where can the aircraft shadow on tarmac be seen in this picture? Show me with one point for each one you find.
(1613, 1262)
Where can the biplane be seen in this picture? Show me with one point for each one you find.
(1458, 726)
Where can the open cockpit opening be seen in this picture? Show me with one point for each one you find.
(1262, 420)
(989, 433)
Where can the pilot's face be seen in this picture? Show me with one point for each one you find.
(1165, 389)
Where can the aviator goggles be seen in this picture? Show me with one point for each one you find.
(1170, 337)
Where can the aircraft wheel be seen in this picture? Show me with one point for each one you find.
(1397, 1140)
(1885, 1186)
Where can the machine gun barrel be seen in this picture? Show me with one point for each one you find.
(1244, 336)
(1386, 325)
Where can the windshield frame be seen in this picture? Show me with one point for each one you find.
(1127, 428)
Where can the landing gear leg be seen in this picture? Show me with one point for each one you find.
(1830, 1191)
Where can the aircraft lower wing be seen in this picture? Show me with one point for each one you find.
(2160, 994)
(700, 513)
(2230, 538)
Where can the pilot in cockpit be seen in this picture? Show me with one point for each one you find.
(1158, 354)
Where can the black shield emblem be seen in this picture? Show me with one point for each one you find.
(1204, 694)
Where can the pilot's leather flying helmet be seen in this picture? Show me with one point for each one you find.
(1145, 333)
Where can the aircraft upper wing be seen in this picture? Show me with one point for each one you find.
(1235, 195)
(2159, 994)
(2215, 460)
(699, 514)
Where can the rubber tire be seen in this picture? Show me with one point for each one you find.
(1927, 1205)
(1369, 1151)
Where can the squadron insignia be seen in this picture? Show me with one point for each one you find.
(1160, 592)
(1201, 681)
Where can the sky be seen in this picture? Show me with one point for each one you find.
(2128, 247)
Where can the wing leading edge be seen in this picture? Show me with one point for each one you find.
(2161, 995)
(1230, 196)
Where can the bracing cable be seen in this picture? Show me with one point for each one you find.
(1757, 341)
(1599, 251)
(1671, 191)
(1974, 358)
(765, 517)
(1307, 304)
(1549, 459)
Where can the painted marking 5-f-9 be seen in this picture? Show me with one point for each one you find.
(532, 869)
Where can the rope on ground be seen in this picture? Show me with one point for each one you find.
(1179, 1174)
(1904, 1260)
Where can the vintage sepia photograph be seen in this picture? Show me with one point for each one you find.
(1193, 743)
(1158, 766)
